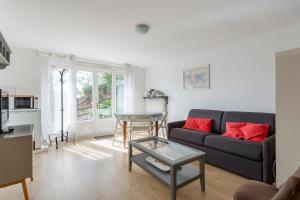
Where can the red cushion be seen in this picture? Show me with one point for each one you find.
(255, 132)
(233, 130)
(199, 124)
(234, 125)
(234, 133)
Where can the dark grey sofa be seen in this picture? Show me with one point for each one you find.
(250, 159)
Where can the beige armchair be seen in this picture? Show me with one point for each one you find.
(254, 190)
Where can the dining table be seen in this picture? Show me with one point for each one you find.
(149, 117)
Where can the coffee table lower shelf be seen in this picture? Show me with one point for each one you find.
(186, 175)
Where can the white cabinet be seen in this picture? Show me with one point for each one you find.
(28, 116)
(287, 113)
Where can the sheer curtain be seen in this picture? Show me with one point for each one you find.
(51, 94)
(129, 88)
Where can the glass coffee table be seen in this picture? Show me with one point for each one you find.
(174, 156)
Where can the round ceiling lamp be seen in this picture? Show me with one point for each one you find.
(142, 29)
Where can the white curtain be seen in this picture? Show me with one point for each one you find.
(129, 88)
(51, 94)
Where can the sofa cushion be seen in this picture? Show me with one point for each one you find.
(199, 124)
(255, 132)
(250, 117)
(187, 135)
(246, 149)
(234, 133)
(233, 130)
(216, 115)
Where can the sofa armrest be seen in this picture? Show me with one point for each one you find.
(269, 155)
(171, 125)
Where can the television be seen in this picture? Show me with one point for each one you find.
(4, 108)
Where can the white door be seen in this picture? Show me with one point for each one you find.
(100, 94)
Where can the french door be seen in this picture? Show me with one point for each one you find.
(100, 93)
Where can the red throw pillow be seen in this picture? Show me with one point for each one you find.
(255, 132)
(233, 130)
(234, 133)
(199, 124)
(234, 125)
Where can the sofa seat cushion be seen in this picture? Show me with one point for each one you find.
(242, 148)
(187, 135)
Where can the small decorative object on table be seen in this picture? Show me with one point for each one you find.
(158, 164)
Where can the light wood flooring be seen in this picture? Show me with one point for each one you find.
(95, 170)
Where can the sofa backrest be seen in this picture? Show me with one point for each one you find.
(216, 115)
(251, 117)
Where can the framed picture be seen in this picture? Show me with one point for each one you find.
(197, 78)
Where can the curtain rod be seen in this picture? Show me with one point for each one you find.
(97, 62)
(79, 59)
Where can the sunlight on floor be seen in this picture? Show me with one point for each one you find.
(88, 152)
(118, 144)
(109, 144)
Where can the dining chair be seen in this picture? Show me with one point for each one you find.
(162, 124)
(141, 124)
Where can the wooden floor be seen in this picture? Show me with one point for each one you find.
(94, 169)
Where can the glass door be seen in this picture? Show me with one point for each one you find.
(100, 93)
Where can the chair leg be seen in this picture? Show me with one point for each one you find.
(56, 142)
(163, 132)
(75, 137)
(25, 192)
(151, 128)
(67, 136)
(165, 122)
(50, 139)
(115, 133)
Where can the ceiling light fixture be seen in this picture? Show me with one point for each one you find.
(142, 29)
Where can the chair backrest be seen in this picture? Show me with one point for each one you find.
(115, 114)
(165, 116)
(290, 189)
(163, 120)
(141, 119)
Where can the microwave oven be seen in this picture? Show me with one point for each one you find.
(24, 102)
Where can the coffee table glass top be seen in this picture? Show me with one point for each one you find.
(167, 149)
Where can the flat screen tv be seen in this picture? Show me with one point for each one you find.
(4, 108)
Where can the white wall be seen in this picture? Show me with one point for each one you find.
(242, 75)
(23, 72)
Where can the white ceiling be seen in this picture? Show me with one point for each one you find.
(104, 29)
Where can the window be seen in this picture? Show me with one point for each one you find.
(84, 84)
